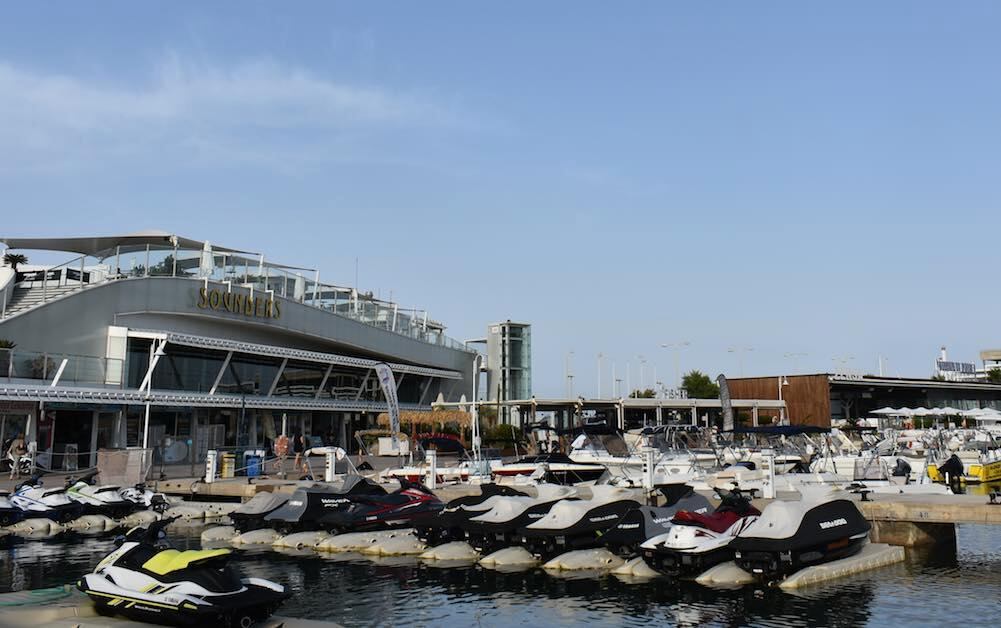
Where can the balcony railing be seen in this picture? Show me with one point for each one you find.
(71, 369)
(240, 270)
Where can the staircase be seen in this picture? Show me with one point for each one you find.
(26, 298)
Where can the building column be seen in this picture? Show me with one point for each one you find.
(94, 422)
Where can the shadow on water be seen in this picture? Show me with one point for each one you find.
(946, 584)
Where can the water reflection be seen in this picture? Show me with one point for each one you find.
(945, 584)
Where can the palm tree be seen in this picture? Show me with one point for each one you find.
(15, 259)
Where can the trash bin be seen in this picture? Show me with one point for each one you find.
(253, 464)
(228, 465)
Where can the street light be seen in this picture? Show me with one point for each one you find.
(642, 370)
(600, 355)
(677, 347)
(740, 351)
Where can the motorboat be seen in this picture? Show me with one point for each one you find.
(308, 505)
(411, 505)
(499, 527)
(578, 524)
(695, 541)
(645, 522)
(447, 526)
(553, 468)
(99, 500)
(146, 580)
(823, 526)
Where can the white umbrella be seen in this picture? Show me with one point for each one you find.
(206, 265)
(887, 410)
(949, 411)
(922, 411)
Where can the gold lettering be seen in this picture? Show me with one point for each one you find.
(278, 311)
(258, 307)
(203, 298)
(248, 307)
(268, 308)
(238, 303)
(227, 299)
(214, 299)
(258, 302)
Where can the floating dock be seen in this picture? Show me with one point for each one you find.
(65, 607)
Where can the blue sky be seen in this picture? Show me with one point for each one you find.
(786, 176)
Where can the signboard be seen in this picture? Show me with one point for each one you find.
(238, 303)
(967, 368)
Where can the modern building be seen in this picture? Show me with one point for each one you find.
(509, 363)
(210, 346)
(818, 399)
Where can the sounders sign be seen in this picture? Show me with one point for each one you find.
(258, 307)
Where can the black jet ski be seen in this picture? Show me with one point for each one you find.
(307, 506)
(789, 535)
(413, 504)
(250, 515)
(578, 524)
(645, 522)
(146, 580)
(447, 526)
(99, 500)
(499, 527)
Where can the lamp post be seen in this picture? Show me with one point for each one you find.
(783, 381)
(600, 355)
(642, 371)
(676, 347)
(740, 351)
(567, 375)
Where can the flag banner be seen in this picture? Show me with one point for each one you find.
(388, 384)
(724, 398)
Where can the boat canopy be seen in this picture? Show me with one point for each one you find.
(106, 246)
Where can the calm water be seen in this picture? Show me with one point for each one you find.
(950, 586)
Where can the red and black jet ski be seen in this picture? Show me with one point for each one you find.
(308, 505)
(447, 526)
(412, 504)
(789, 535)
(645, 522)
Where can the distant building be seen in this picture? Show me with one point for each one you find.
(509, 364)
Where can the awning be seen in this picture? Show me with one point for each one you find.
(105, 246)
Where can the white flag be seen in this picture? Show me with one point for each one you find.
(388, 383)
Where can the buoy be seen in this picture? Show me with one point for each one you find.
(636, 568)
(585, 560)
(92, 524)
(263, 536)
(217, 534)
(140, 518)
(404, 545)
(36, 528)
(357, 541)
(509, 557)
(726, 574)
(301, 540)
(454, 551)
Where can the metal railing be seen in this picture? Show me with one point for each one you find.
(16, 364)
(241, 271)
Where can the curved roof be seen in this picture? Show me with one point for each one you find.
(104, 246)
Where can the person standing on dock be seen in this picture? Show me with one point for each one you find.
(14, 453)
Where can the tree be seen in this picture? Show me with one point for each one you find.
(994, 376)
(938, 377)
(649, 393)
(699, 386)
(14, 260)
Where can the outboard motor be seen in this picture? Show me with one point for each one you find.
(902, 470)
(952, 471)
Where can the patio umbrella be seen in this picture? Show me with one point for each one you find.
(887, 410)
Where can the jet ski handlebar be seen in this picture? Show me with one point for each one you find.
(152, 533)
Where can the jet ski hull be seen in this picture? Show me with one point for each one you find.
(646, 522)
(448, 525)
(679, 564)
(486, 538)
(254, 603)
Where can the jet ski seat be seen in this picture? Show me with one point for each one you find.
(171, 560)
(718, 522)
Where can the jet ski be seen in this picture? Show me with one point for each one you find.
(578, 524)
(499, 527)
(307, 506)
(646, 522)
(50, 503)
(412, 504)
(696, 542)
(145, 499)
(250, 515)
(9, 513)
(99, 500)
(789, 535)
(144, 579)
(447, 526)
